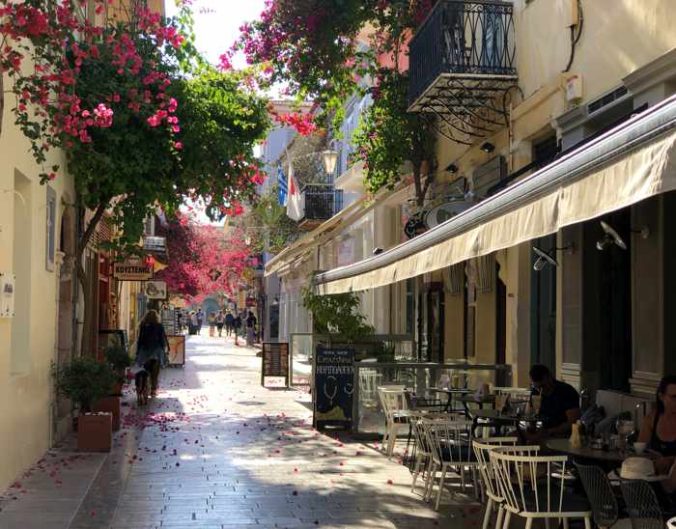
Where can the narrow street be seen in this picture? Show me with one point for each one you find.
(216, 450)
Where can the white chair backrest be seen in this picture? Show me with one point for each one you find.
(450, 440)
(421, 443)
(482, 449)
(526, 481)
(392, 401)
(368, 382)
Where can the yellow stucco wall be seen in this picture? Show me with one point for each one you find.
(25, 383)
(618, 37)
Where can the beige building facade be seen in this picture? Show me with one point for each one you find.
(599, 319)
(37, 234)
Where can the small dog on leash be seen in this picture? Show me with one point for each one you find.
(142, 380)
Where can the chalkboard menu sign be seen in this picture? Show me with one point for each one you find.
(334, 386)
(275, 371)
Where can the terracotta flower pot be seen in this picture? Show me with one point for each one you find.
(110, 405)
(95, 432)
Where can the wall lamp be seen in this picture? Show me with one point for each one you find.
(612, 238)
(488, 147)
(545, 258)
(452, 168)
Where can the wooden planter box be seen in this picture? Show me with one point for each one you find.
(95, 432)
(110, 405)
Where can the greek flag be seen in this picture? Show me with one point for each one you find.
(283, 186)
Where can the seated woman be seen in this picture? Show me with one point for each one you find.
(659, 431)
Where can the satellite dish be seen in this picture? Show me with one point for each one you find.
(543, 259)
(611, 237)
(442, 213)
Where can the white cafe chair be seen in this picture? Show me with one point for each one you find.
(491, 492)
(395, 408)
(451, 446)
(534, 487)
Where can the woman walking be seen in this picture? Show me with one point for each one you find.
(152, 347)
(220, 321)
(236, 326)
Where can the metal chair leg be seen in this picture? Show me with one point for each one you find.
(441, 487)
(488, 513)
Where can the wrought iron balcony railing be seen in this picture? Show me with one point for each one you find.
(462, 64)
(475, 37)
(322, 201)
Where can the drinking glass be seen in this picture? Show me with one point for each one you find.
(624, 429)
(500, 402)
(536, 402)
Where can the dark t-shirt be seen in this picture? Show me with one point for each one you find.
(554, 407)
(152, 336)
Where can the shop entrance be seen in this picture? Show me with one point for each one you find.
(606, 360)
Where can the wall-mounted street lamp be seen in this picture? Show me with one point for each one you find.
(330, 159)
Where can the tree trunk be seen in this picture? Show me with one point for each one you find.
(83, 279)
(420, 173)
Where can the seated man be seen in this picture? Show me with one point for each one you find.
(560, 403)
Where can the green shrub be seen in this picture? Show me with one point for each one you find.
(84, 381)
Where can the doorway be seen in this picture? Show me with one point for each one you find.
(606, 359)
(500, 327)
(543, 309)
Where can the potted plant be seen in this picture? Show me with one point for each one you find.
(86, 381)
(119, 360)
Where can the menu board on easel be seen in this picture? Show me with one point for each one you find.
(334, 387)
(176, 353)
(168, 317)
(275, 369)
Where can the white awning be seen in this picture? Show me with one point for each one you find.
(632, 162)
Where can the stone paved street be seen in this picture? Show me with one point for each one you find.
(216, 450)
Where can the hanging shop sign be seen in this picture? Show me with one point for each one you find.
(155, 289)
(334, 387)
(275, 371)
(154, 244)
(132, 269)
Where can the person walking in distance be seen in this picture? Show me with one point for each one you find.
(192, 323)
(151, 348)
(200, 320)
(229, 323)
(251, 322)
(220, 320)
(211, 320)
(236, 326)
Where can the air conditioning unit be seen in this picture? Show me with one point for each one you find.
(442, 213)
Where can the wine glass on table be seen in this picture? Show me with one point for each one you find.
(624, 429)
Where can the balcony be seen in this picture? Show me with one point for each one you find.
(462, 67)
(322, 201)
